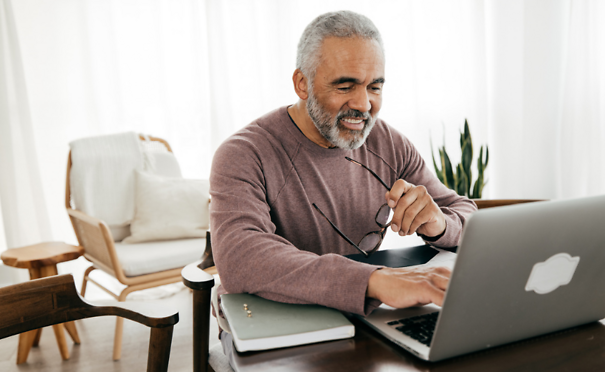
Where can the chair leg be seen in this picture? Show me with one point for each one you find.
(159, 349)
(71, 329)
(61, 342)
(37, 338)
(26, 340)
(117, 340)
(201, 329)
(85, 280)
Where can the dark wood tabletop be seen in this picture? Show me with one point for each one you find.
(577, 349)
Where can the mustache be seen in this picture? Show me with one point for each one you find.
(354, 114)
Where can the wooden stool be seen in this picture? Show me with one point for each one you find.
(41, 260)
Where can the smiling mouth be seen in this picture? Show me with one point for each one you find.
(353, 123)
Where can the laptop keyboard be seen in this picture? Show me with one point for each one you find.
(420, 328)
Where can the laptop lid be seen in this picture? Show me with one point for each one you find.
(524, 271)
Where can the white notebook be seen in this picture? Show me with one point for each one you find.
(274, 325)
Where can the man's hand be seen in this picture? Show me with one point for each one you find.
(414, 210)
(409, 286)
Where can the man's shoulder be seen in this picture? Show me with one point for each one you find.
(269, 123)
(264, 134)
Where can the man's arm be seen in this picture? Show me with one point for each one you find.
(414, 210)
(252, 258)
(421, 204)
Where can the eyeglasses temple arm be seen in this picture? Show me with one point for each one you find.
(339, 232)
(369, 170)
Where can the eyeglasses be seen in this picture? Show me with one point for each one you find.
(372, 240)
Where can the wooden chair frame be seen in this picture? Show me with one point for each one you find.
(95, 237)
(38, 303)
(197, 277)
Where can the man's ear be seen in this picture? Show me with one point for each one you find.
(301, 85)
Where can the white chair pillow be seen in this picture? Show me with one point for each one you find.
(169, 208)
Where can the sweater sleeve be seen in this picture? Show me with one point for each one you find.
(454, 207)
(252, 258)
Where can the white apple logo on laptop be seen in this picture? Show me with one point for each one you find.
(549, 275)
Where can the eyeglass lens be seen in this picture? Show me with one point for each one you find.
(382, 217)
(372, 240)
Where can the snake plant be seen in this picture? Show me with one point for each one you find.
(460, 178)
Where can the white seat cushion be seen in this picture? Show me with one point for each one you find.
(152, 257)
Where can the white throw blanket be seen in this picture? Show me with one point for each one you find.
(103, 178)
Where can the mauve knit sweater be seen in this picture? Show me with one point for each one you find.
(267, 237)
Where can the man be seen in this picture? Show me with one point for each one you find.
(274, 181)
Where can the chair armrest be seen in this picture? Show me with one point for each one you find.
(196, 278)
(54, 300)
(140, 312)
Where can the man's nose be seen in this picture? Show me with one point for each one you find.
(360, 101)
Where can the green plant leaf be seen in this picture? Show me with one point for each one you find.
(466, 147)
(478, 183)
(447, 168)
(478, 187)
(467, 131)
(438, 171)
(461, 182)
(442, 158)
(476, 194)
(467, 160)
(480, 161)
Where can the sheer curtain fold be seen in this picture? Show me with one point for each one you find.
(525, 53)
(528, 74)
(581, 160)
(24, 209)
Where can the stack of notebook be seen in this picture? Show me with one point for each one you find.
(260, 324)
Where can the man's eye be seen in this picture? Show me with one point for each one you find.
(376, 89)
(344, 89)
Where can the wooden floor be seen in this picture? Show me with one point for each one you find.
(95, 351)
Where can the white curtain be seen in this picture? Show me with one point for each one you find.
(23, 204)
(528, 75)
(580, 161)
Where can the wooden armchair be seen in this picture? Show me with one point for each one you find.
(53, 300)
(102, 249)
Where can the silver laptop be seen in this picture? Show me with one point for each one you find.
(521, 271)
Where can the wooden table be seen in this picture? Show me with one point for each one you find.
(41, 260)
(578, 349)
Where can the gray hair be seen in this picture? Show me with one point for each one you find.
(344, 24)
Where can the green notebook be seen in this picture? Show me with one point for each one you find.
(275, 324)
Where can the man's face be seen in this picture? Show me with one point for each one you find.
(347, 90)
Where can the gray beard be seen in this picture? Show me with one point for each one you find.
(331, 129)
